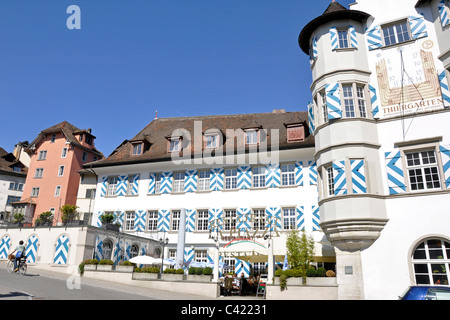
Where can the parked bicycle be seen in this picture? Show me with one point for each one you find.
(22, 265)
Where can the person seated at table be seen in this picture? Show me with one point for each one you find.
(243, 287)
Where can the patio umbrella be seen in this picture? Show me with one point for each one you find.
(197, 264)
(144, 260)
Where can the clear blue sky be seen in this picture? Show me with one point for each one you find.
(133, 57)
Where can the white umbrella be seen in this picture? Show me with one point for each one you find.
(144, 260)
(197, 264)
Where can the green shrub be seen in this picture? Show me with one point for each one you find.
(150, 270)
(311, 272)
(179, 271)
(278, 272)
(125, 263)
(321, 272)
(283, 281)
(292, 273)
(199, 271)
(91, 261)
(106, 262)
(207, 271)
(138, 270)
(191, 270)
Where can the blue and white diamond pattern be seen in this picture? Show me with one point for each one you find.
(215, 219)
(353, 39)
(244, 177)
(98, 248)
(311, 124)
(163, 220)
(315, 50)
(242, 266)
(103, 186)
(96, 219)
(140, 217)
(188, 254)
(340, 181)
(300, 213)
(358, 176)
(299, 173)
(334, 38)
(117, 250)
(316, 218)
(122, 182)
(216, 179)
(374, 39)
(375, 103)
(190, 220)
(243, 219)
(273, 215)
(5, 244)
(135, 184)
(395, 175)
(444, 13)
(333, 101)
(61, 250)
(312, 173)
(32, 247)
(444, 88)
(127, 255)
(273, 175)
(418, 27)
(445, 157)
(190, 181)
(166, 182)
(151, 183)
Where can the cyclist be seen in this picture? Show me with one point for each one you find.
(19, 252)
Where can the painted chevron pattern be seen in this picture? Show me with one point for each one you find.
(418, 27)
(334, 38)
(61, 250)
(273, 175)
(243, 219)
(98, 248)
(242, 266)
(140, 217)
(312, 127)
(166, 182)
(118, 217)
(103, 186)
(358, 176)
(444, 13)
(445, 156)
(116, 255)
(122, 182)
(32, 247)
(190, 220)
(395, 175)
(375, 102)
(300, 213)
(190, 181)
(151, 183)
(353, 39)
(188, 255)
(312, 173)
(443, 82)
(96, 219)
(163, 220)
(316, 218)
(299, 173)
(5, 244)
(333, 101)
(135, 184)
(127, 251)
(215, 219)
(143, 250)
(340, 182)
(244, 177)
(216, 179)
(273, 218)
(315, 54)
(374, 38)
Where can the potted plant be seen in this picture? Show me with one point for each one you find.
(18, 220)
(199, 274)
(173, 275)
(70, 215)
(89, 265)
(107, 222)
(44, 219)
(149, 273)
(105, 265)
(125, 266)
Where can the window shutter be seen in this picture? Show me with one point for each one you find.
(445, 156)
(312, 173)
(311, 125)
(353, 39)
(273, 175)
(394, 169)
(216, 180)
(315, 52)
(243, 219)
(375, 102)
(333, 101)
(374, 39)
(244, 177)
(300, 213)
(163, 220)
(316, 218)
(166, 182)
(418, 27)
(334, 38)
(273, 215)
(139, 220)
(103, 186)
(215, 219)
(299, 173)
(444, 13)
(135, 181)
(340, 181)
(358, 176)
(151, 183)
(122, 182)
(190, 181)
(444, 88)
(190, 220)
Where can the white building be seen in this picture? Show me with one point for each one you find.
(248, 179)
(380, 116)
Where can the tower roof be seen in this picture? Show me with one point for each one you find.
(335, 11)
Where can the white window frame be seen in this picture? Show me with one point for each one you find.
(251, 137)
(354, 100)
(259, 219)
(175, 145)
(38, 173)
(158, 179)
(287, 177)
(176, 214)
(329, 181)
(289, 219)
(202, 220)
(428, 264)
(112, 186)
(230, 179)
(61, 171)
(204, 177)
(42, 155)
(230, 219)
(57, 191)
(201, 255)
(152, 223)
(211, 141)
(129, 220)
(395, 38)
(35, 192)
(64, 153)
(258, 177)
(137, 149)
(417, 165)
(178, 182)
(343, 42)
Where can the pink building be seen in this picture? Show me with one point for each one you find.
(57, 154)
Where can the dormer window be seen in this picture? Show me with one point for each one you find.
(295, 132)
(175, 145)
(211, 141)
(137, 149)
(251, 136)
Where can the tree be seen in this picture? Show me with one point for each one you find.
(69, 212)
(300, 252)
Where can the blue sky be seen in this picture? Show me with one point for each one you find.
(133, 57)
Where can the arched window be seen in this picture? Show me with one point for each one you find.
(431, 259)
(134, 251)
(107, 249)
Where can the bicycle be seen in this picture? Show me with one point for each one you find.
(22, 265)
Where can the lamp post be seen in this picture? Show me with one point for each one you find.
(163, 243)
(216, 255)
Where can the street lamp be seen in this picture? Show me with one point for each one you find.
(163, 243)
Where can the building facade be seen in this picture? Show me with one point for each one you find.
(57, 154)
(240, 180)
(379, 114)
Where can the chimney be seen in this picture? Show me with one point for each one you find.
(279, 111)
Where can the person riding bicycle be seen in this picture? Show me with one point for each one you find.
(19, 252)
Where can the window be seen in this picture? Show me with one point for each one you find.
(259, 219)
(57, 191)
(230, 220)
(42, 155)
(137, 149)
(174, 145)
(203, 180)
(152, 220)
(230, 179)
(129, 220)
(251, 137)
(12, 199)
(323, 106)
(423, 170)
(53, 138)
(176, 220)
(61, 171)
(17, 169)
(201, 256)
(158, 179)
(212, 141)
(289, 219)
(287, 174)
(361, 101)
(396, 33)
(38, 173)
(90, 193)
(330, 181)
(84, 157)
(348, 101)
(16, 186)
(112, 186)
(202, 220)
(430, 261)
(259, 177)
(354, 100)
(35, 192)
(343, 38)
(64, 153)
(178, 182)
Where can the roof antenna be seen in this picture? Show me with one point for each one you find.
(156, 114)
